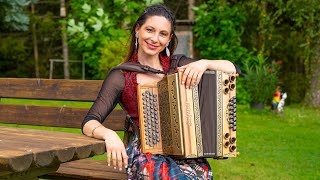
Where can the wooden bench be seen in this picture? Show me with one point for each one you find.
(59, 116)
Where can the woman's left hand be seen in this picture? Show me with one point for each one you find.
(192, 73)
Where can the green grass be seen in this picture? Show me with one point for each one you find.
(271, 146)
(274, 146)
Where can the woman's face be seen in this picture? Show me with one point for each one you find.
(154, 35)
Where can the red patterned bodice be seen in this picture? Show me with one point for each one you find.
(129, 95)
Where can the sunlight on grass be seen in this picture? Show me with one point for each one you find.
(274, 146)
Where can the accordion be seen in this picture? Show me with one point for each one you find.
(189, 123)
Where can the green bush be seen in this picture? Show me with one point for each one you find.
(260, 80)
(217, 31)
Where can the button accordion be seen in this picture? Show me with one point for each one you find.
(189, 123)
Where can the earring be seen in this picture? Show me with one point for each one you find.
(167, 50)
(136, 44)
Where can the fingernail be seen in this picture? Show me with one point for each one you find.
(120, 169)
(182, 82)
(108, 164)
(126, 167)
(114, 168)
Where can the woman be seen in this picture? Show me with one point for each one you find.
(152, 41)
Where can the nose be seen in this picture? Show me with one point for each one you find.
(155, 38)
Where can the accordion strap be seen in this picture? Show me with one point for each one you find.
(129, 123)
(136, 67)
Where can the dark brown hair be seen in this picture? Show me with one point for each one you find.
(154, 10)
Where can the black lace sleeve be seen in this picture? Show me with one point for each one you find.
(108, 97)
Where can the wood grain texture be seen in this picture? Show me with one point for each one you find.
(54, 116)
(19, 146)
(89, 169)
(53, 89)
(26, 153)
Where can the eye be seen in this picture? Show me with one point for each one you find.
(164, 34)
(149, 30)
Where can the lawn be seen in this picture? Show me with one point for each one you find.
(274, 146)
(271, 146)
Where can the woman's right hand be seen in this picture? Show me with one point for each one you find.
(115, 150)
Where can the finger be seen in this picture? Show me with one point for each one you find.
(194, 80)
(125, 158)
(119, 157)
(108, 156)
(199, 77)
(114, 159)
(184, 76)
(190, 79)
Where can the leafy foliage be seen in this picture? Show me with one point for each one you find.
(260, 79)
(12, 15)
(98, 31)
(218, 30)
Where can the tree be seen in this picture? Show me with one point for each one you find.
(12, 15)
(65, 49)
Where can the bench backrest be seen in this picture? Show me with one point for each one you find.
(52, 89)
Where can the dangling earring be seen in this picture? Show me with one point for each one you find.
(167, 50)
(136, 44)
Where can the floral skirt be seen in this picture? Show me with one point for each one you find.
(154, 167)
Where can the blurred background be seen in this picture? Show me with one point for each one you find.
(275, 43)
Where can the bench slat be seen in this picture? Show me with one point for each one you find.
(53, 89)
(55, 116)
(89, 169)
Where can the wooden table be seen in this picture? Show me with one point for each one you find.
(27, 153)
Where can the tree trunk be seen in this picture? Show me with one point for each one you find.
(35, 44)
(313, 96)
(64, 42)
(190, 11)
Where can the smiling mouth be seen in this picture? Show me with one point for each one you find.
(151, 46)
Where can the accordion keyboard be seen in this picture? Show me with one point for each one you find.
(151, 118)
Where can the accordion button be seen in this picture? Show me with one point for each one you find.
(226, 144)
(158, 139)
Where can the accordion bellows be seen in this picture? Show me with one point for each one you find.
(189, 123)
